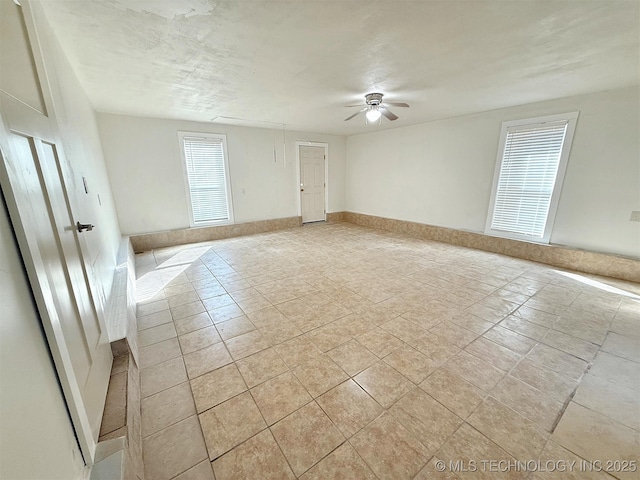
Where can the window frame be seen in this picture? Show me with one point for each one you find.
(185, 174)
(571, 118)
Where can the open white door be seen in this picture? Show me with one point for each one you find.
(41, 213)
(312, 183)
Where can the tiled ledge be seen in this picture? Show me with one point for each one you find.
(558, 256)
(120, 432)
(149, 241)
(122, 414)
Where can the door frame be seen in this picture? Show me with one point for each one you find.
(303, 143)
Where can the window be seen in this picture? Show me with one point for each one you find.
(207, 178)
(532, 158)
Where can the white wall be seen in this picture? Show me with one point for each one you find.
(441, 173)
(143, 159)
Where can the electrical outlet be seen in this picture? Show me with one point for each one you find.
(635, 216)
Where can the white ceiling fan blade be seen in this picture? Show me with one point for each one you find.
(357, 113)
(396, 104)
(390, 115)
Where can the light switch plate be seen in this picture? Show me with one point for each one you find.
(635, 216)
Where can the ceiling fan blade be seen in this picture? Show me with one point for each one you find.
(397, 104)
(359, 105)
(391, 116)
(357, 113)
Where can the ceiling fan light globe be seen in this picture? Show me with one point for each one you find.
(373, 115)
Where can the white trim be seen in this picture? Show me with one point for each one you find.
(571, 118)
(302, 143)
(187, 189)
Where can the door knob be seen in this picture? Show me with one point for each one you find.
(302, 189)
(84, 227)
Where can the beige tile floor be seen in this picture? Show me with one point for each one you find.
(334, 351)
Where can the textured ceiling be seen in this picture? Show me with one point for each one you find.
(298, 62)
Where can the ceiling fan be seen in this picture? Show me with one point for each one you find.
(375, 108)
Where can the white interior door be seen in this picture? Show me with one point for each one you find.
(42, 218)
(41, 211)
(312, 183)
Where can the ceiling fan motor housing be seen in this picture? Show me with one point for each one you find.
(373, 98)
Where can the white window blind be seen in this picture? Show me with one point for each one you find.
(207, 178)
(530, 171)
